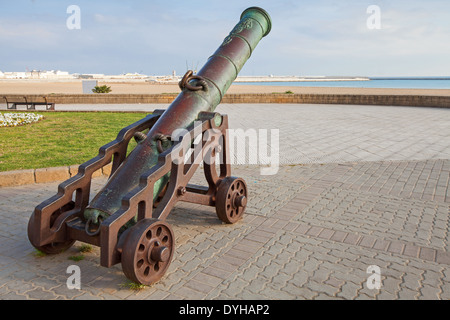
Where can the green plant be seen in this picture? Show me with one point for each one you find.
(133, 286)
(101, 89)
(9, 119)
(85, 248)
(39, 253)
(286, 92)
(76, 258)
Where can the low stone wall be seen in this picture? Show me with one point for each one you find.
(93, 98)
(388, 100)
(363, 99)
(44, 175)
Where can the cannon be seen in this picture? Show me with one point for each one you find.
(127, 217)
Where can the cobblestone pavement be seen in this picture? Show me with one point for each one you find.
(310, 232)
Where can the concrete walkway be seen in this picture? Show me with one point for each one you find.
(358, 187)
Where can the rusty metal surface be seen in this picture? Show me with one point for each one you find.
(231, 199)
(126, 218)
(140, 201)
(147, 251)
(218, 73)
(188, 77)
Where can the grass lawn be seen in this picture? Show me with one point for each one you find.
(60, 139)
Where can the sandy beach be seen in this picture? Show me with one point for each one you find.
(75, 87)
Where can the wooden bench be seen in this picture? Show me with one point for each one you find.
(12, 105)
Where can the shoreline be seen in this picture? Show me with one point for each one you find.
(17, 87)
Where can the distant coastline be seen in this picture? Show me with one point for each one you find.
(398, 83)
(64, 76)
(410, 78)
(440, 85)
(255, 79)
(297, 78)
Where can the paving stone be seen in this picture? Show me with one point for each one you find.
(187, 293)
(367, 241)
(349, 291)
(40, 294)
(396, 247)
(443, 257)
(408, 294)
(381, 244)
(339, 236)
(326, 234)
(411, 250)
(352, 239)
(314, 231)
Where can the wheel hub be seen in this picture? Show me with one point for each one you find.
(158, 253)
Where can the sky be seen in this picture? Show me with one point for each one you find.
(308, 38)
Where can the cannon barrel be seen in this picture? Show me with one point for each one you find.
(200, 92)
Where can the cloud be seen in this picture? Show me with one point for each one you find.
(336, 40)
(27, 34)
(307, 37)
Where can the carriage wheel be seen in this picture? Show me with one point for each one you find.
(231, 199)
(147, 251)
(54, 247)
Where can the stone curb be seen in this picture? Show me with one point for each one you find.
(44, 175)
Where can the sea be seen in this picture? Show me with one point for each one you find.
(397, 83)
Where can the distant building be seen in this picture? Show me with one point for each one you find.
(37, 74)
(90, 76)
(15, 75)
(131, 76)
(57, 75)
(85, 76)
